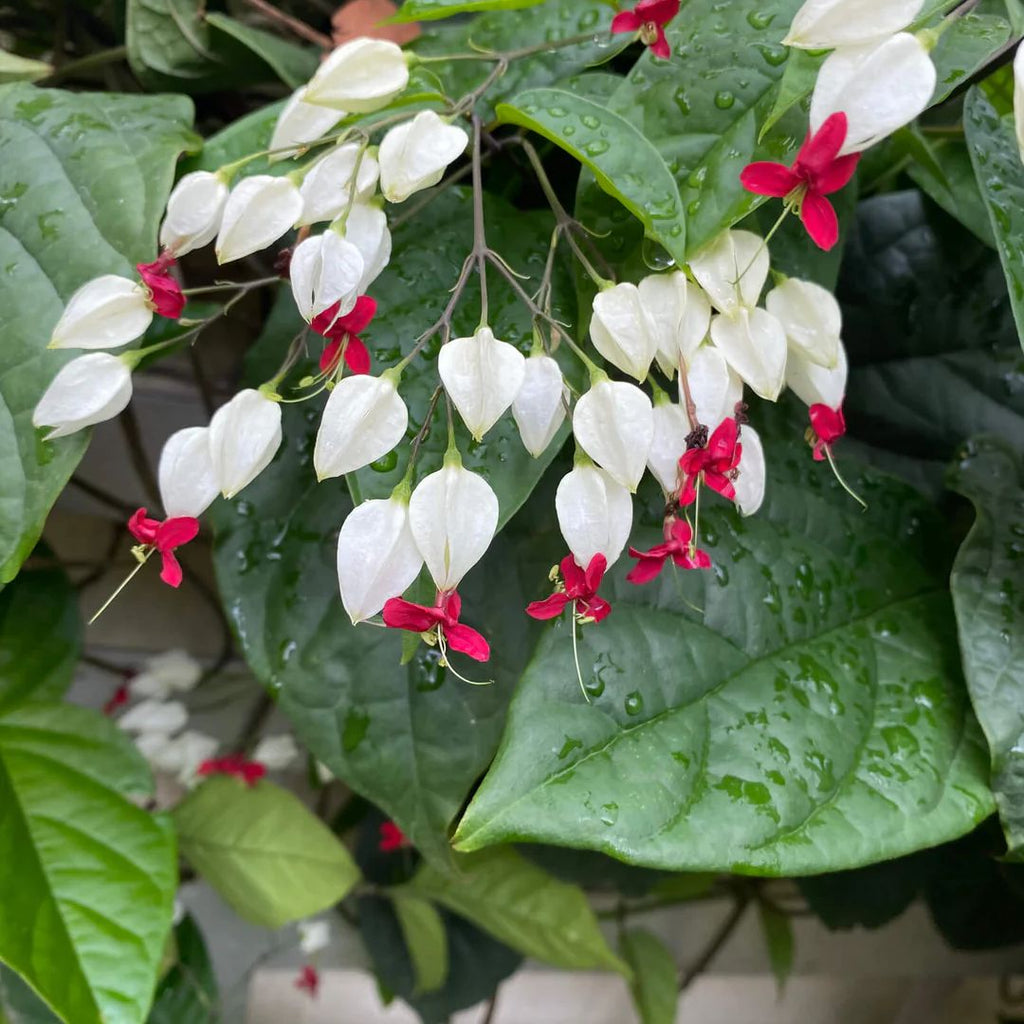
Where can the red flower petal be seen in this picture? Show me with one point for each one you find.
(170, 571)
(828, 423)
(596, 608)
(359, 318)
(165, 293)
(574, 577)
(722, 484)
(357, 356)
(821, 149)
(401, 614)
(722, 443)
(837, 175)
(819, 218)
(550, 608)
(172, 533)
(451, 607)
(646, 569)
(660, 47)
(595, 572)
(769, 179)
(626, 21)
(661, 12)
(142, 528)
(467, 641)
(391, 838)
(329, 357)
(681, 533)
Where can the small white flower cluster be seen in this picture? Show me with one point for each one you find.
(879, 75)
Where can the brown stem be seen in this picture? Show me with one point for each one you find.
(296, 27)
(714, 947)
(479, 234)
(492, 1009)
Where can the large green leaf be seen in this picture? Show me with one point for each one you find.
(425, 938)
(812, 717)
(83, 183)
(523, 906)
(89, 877)
(655, 984)
(431, 10)
(263, 850)
(988, 594)
(294, 65)
(40, 637)
(997, 162)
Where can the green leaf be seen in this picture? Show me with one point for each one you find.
(248, 135)
(263, 850)
(796, 84)
(93, 873)
(997, 163)
(20, 69)
(294, 65)
(188, 991)
(425, 938)
(40, 637)
(624, 163)
(431, 10)
(655, 985)
(777, 930)
(969, 43)
(19, 1004)
(523, 906)
(811, 718)
(83, 185)
(989, 602)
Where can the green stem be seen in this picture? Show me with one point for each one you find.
(94, 60)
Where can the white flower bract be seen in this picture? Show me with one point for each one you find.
(811, 318)
(359, 77)
(194, 211)
(816, 385)
(614, 424)
(414, 155)
(595, 514)
(827, 24)
(188, 484)
(732, 270)
(257, 213)
(327, 188)
(623, 331)
(539, 407)
(754, 345)
(244, 437)
(671, 428)
(750, 479)
(301, 123)
(174, 671)
(88, 390)
(325, 270)
(681, 313)
(106, 312)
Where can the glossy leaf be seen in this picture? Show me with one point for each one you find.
(21, 69)
(969, 43)
(997, 163)
(40, 637)
(522, 906)
(989, 605)
(188, 991)
(431, 10)
(248, 135)
(294, 65)
(84, 181)
(19, 1004)
(624, 163)
(425, 938)
(811, 718)
(263, 850)
(777, 931)
(93, 873)
(655, 985)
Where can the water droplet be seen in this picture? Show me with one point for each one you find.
(386, 463)
(596, 148)
(427, 671)
(609, 814)
(634, 703)
(724, 99)
(589, 121)
(760, 19)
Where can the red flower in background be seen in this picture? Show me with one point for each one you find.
(678, 546)
(339, 328)
(828, 425)
(392, 838)
(580, 590)
(250, 772)
(716, 463)
(164, 292)
(444, 616)
(649, 18)
(308, 981)
(165, 537)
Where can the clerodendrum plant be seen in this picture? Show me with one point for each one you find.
(525, 528)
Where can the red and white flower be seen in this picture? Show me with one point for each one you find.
(678, 545)
(648, 19)
(163, 537)
(440, 622)
(576, 587)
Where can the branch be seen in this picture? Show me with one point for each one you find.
(296, 27)
(714, 947)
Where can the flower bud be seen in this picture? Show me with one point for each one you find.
(258, 212)
(614, 424)
(88, 390)
(313, 936)
(415, 154)
(879, 86)
(714, 388)
(595, 514)
(482, 376)
(816, 385)
(164, 717)
(453, 515)
(325, 270)
(173, 671)
(363, 420)
(301, 123)
(377, 556)
(671, 428)
(326, 189)
(194, 211)
(367, 229)
(106, 312)
(828, 24)
(276, 753)
(188, 483)
(681, 313)
(359, 77)
(623, 331)
(539, 407)
(750, 479)
(244, 437)
(811, 318)
(732, 270)
(176, 755)
(754, 345)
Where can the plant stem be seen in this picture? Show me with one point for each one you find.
(296, 27)
(93, 60)
(479, 233)
(714, 947)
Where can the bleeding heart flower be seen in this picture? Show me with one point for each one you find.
(577, 587)
(117, 699)
(817, 385)
(540, 404)
(343, 333)
(750, 474)
(259, 210)
(154, 716)
(188, 484)
(678, 545)
(732, 270)
(314, 935)
(164, 537)
(441, 622)
(165, 294)
(299, 124)
(325, 272)
(327, 187)
(106, 312)
(366, 227)
(359, 77)
(754, 345)
(715, 464)
(308, 980)
(811, 318)
(817, 172)
(174, 671)
(622, 329)
(276, 753)
(245, 435)
(671, 428)
(714, 388)
(392, 838)
(681, 314)
(415, 154)
(193, 213)
(614, 424)
(827, 426)
(829, 24)
(649, 19)
(250, 772)
(88, 390)
(595, 514)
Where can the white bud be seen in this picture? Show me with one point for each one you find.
(714, 388)
(415, 154)
(367, 229)
(88, 390)
(1018, 98)
(258, 212)
(194, 211)
(811, 318)
(377, 556)
(276, 753)
(827, 24)
(363, 420)
(482, 376)
(106, 312)
(539, 407)
(816, 385)
(313, 936)
(623, 331)
(671, 428)
(750, 480)
(595, 514)
(244, 437)
(879, 86)
(325, 270)
(614, 424)
(174, 671)
(326, 189)
(188, 483)
(177, 755)
(158, 716)
(732, 270)
(453, 515)
(681, 313)
(754, 345)
(360, 76)
(301, 123)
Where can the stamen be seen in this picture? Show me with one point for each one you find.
(445, 663)
(576, 656)
(142, 559)
(842, 483)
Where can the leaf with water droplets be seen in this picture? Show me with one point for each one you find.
(433, 10)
